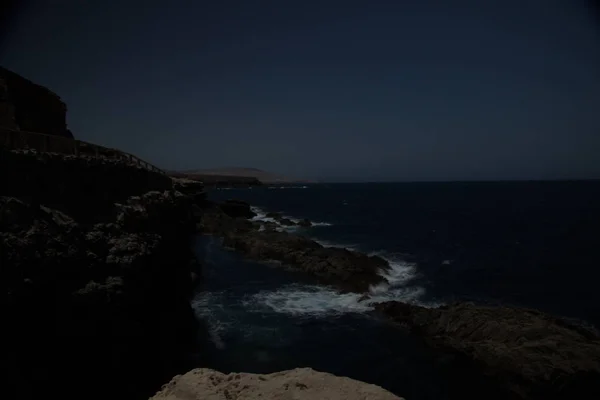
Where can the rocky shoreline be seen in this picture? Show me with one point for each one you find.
(489, 352)
(347, 270)
(98, 267)
(98, 284)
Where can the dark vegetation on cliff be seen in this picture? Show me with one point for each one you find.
(97, 266)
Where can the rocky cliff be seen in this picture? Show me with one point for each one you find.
(299, 384)
(97, 266)
(85, 187)
(27, 106)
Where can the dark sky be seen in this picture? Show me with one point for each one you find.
(332, 90)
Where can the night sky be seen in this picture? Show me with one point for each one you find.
(328, 90)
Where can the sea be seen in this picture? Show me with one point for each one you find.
(527, 244)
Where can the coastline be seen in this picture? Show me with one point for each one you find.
(544, 356)
(96, 250)
(132, 233)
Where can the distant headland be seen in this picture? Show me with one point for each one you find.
(236, 176)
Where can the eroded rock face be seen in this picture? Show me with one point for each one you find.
(300, 384)
(518, 353)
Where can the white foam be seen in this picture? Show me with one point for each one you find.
(308, 300)
(318, 300)
(326, 243)
(321, 224)
(261, 216)
(204, 306)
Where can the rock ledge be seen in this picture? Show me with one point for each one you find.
(299, 384)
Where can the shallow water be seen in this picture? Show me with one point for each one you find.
(265, 319)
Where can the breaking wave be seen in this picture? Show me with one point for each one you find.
(261, 216)
(312, 300)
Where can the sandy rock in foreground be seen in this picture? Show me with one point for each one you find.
(300, 384)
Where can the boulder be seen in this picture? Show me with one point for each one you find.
(512, 353)
(299, 384)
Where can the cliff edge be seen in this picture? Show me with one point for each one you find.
(27, 106)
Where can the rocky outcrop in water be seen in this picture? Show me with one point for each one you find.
(237, 208)
(27, 106)
(506, 352)
(299, 384)
(348, 270)
(97, 284)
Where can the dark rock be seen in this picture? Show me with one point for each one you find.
(274, 215)
(85, 188)
(516, 353)
(346, 269)
(305, 223)
(237, 209)
(270, 226)
(215, 221)
(112, 296)
(27, 106)
(286, 222)
(364, 297)
(188, 186)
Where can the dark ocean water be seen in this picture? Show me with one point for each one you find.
(535, 244)
(531, 244)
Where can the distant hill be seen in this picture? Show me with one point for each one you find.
(263, 176)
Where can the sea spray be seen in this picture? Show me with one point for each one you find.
(313, 300)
